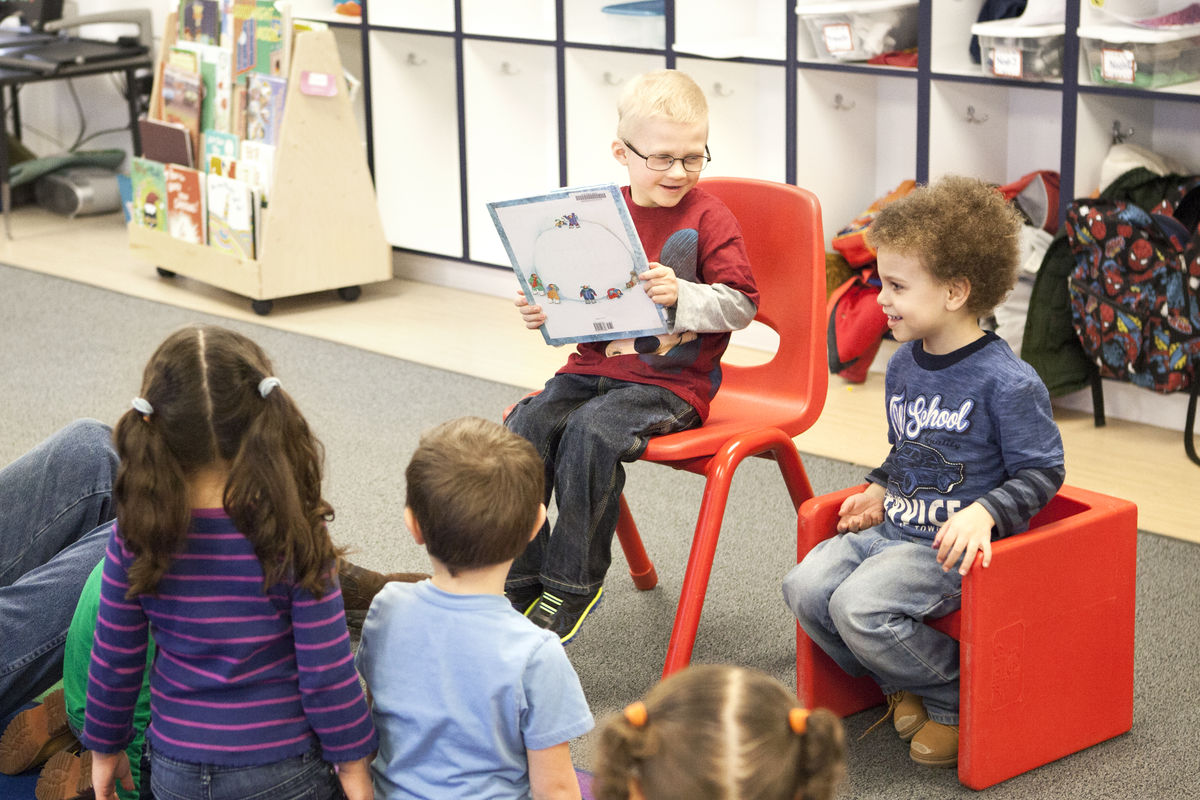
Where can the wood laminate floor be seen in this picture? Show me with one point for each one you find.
(480, 334)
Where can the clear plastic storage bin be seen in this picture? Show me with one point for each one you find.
(1145, 58)
(1024, 52)
(857, 31)
(636, 24)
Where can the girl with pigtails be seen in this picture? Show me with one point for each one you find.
(221, 549)
(716, 732)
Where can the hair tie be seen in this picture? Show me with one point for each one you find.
(143, 407)
(798, 719)
(635, 714)
(266, 385)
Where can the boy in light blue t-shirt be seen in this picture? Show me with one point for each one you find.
(470, 698)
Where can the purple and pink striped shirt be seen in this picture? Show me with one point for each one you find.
(241, 677)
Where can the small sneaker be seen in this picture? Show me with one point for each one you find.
(524, 598)
(909, 715)
(564, 613)
(66, 776)
(35, 734)
(360, 585)
(935, 745)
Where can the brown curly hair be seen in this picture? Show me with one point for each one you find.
(202, 383)
(713, 732)
(959, 228)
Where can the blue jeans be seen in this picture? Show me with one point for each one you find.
(584, 426)
(56, 509)
(862, 597)
(305, 777)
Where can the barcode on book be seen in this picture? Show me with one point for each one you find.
(602, 326)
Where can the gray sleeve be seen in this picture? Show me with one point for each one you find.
(1013, 503)
(709, 307)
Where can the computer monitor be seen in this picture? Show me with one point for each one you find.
(33, 13)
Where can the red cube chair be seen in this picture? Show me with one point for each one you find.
(1045, 636)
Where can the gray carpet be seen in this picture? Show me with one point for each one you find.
(68, 350)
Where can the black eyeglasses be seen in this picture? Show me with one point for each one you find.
(661, 162)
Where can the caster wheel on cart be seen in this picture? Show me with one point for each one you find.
(349, 293)
(262, 307)
(166, 273)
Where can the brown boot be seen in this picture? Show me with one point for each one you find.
(360, 585)
(66, 776)
(909, 715)
(35, 734)
(935, 745)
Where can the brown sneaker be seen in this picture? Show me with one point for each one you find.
(35, 734)
(66, 776)
(909, 715)
(360, 585)
(935, 745)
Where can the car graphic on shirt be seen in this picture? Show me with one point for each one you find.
(919, 466)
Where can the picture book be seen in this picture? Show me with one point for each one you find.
(215, 67)
(200, 21)
(168, 142)
(261, 32)
(576, 254)
(265, 95)
(149, 181)
(257, 165)
(221, 152)
(181, 93)
(186, 219)
(230, 215)
(244, 37)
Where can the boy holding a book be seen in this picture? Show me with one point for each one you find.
(600, 409)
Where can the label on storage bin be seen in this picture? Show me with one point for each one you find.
(838, 38)
(1118, 65)
(1006, 62)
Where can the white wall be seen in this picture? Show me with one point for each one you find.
(50, 120)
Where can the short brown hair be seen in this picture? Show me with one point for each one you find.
(959, 228)
(717, 731)
(475, 489)
(662, 94)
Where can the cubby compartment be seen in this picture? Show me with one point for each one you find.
(997, 133)
(637, 24)
(745, 124)
(513, 19)
(858, 30)
(429, 15)
(719, 29)
(595, 79)
(511, 118)
(856, 139)
(417, 154)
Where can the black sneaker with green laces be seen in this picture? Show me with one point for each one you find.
(524, 598)
(563, 613)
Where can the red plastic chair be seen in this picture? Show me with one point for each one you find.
(1045, 636)
(758, 409)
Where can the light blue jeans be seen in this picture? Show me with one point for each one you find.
(862, 597)
(56, 509)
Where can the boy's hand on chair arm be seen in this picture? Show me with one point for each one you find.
(660, 284)
(861, 511)
(533, 315)
(967, 532)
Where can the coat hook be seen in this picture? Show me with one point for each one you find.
(1118, 135)
(612, 80)
(720, 91)
(506, 68)
(839, 105)
(976, 120)
(414, 60)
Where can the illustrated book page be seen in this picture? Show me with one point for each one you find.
(577, 255)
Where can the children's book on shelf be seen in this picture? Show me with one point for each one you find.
(200, 21)
(149, 181)
(168, 142)
(231, 215)
(181, 93)
(256, 166)
(186, 218)
(221, 153)
(265, 96)
(576, 254)
(215, 67)
(260, 30)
